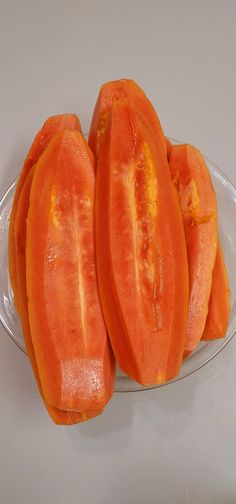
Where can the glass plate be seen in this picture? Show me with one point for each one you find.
(206, 351)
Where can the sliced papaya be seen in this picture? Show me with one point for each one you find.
(72, 350)
(114, 91)
(58, 416)
(219, 305)
(141, 251)
(43, 137)
(199, 210)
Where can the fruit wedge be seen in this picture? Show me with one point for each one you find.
(72, 350)
(198, 205)
(219, 305)
(141, 251)
(43, 137)
(58, 416)
(119, 90)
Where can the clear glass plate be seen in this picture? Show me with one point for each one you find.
(206, 351)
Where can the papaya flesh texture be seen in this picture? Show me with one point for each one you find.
(219, 305)
(72, 351)
(141, 250)
(199, 210)
(43, 137)
(119, 90)
(58, 416)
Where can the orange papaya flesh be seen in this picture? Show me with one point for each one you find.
(58, 416)
(197, 199)
(43, 137)
(141, 250)
(114, 91)
(72, 350)
(219, 305)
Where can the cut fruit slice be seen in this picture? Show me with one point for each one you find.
(53, 125)
(72, 350)
(58, 416)
(141, 250)
(198, 205)
(219, 305)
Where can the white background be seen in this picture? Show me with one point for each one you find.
(176, 445)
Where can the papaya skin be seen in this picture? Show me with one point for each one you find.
(219, 305)
(43, 137)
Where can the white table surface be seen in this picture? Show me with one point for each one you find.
(175, 445)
